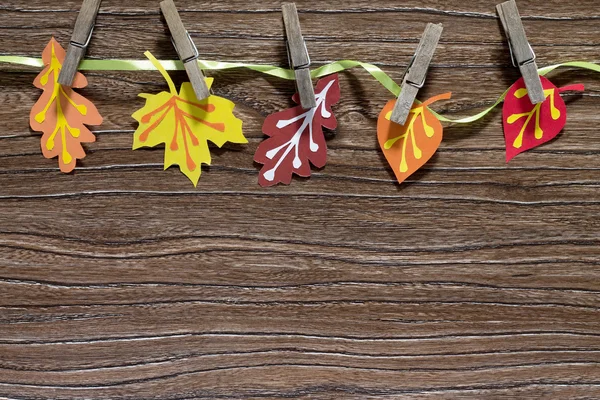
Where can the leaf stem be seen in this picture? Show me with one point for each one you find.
(163, 72)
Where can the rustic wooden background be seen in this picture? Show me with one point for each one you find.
(473, 280)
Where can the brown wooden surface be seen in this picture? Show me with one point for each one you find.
(473, 280)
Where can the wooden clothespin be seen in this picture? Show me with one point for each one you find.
(520, 50)
(82, 33)
(298, 55)
(186, 49)
(414, 79)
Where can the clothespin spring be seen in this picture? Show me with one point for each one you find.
(295, 67)
(513, 58)
(194, 48)
(87, 42)
(405, 77)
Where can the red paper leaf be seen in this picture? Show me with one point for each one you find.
(296, 136)
(526, 125)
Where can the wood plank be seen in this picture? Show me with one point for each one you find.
(475, 279)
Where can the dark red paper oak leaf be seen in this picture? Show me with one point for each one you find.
(527, 125)
(296, 137)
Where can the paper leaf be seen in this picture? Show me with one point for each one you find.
(61, 113)
(408, 147)
(296, 136)
(185, 124)
(526, 125)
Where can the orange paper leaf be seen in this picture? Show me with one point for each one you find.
(61, 113)
(408, 147)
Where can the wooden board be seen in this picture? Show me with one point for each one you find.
(473, 280)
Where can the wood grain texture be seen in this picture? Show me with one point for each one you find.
(473, 280)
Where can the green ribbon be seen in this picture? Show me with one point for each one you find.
(541, 71)
(374, 70)
(30, 61)
(283, 73)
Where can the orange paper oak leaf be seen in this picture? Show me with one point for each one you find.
(408, 147)
(61, 113)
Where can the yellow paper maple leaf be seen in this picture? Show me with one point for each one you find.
(185, 124)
